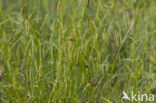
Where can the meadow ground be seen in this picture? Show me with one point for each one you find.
(61, 51)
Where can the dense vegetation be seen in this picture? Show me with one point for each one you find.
(63, 51)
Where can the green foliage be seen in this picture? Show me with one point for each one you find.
(60, 51)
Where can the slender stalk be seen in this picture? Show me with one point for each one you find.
(88, 3)
(114, 54)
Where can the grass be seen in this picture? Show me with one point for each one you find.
(61, 51)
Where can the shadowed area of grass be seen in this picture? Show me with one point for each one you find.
(62, 51)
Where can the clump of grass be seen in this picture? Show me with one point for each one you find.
(61, 50)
